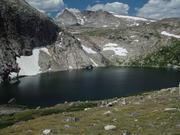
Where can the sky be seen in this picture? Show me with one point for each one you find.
(83, 4)
(154, 9)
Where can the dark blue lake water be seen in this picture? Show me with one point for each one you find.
(102, 83)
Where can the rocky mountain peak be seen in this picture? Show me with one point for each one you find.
(69, 17)
(98, 18)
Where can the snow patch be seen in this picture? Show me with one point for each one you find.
(46, 51)
(60, 33)
(110, 45)
(80, 20)
(59, 45)
(29, 65)
(94, 63)
(13, 75)
(117, 50)
(78, 17)
(134, 24)
(130, 17)
(88, 50)
(169, 34)
(136, 40)
(70, 67)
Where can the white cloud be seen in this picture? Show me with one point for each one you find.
(116, 7)
(158, 9)
(47, 5)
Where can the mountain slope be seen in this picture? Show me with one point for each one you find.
(31, 43)
(168, 56)
(97, 19)
(22, 28)
(137, 41)
(68, 17)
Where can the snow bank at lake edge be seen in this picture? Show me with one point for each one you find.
(29, 65)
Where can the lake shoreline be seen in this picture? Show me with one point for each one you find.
(10, 118)
(102, 83)
(16, 79)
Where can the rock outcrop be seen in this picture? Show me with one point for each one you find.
(97, 19)
(31, 43)
(22, 28)
(154, 44)
(66, 54)
(68, 18)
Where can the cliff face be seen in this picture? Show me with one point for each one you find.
(31, 43)
(66, 54)
(21, 29)
(67, 18)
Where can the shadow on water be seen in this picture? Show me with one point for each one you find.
(102, 83)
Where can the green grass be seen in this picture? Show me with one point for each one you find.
(7, 120)
(168, 55)
(150, 118)
(108, 33)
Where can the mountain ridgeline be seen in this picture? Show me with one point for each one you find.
(32, 43)
(97, 19)
(119, 40)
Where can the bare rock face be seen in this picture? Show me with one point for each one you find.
(22, 28)
(68, 53)
(134, 39)
(152, 44)
(65, 54)
(31, 43)
(101, 19)
(97, 19)
(94, 38)
(67, 18)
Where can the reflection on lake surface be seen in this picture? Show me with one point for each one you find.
(102, 83)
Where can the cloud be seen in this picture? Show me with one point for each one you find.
(47, 6)
(159, 9)
(116, 7)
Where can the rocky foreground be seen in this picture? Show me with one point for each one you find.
(150, 113)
